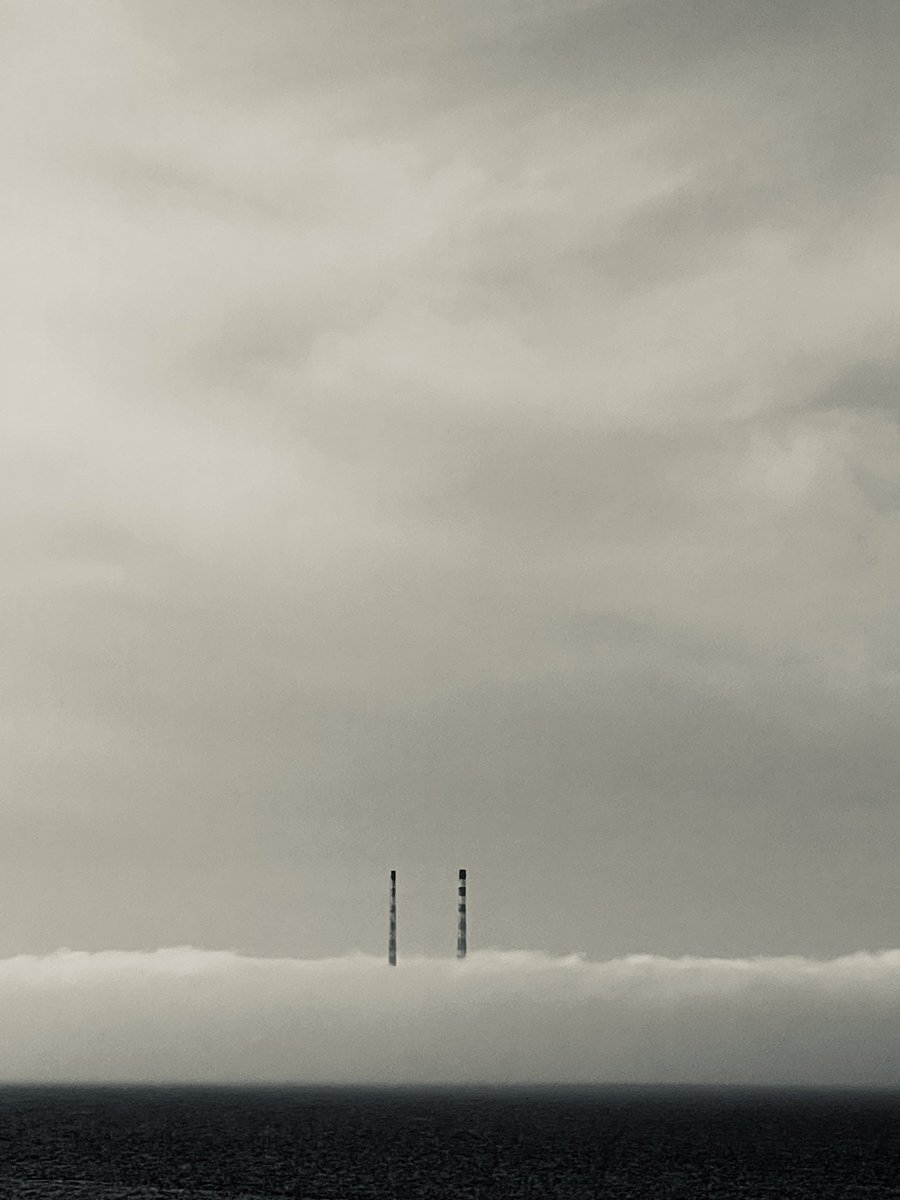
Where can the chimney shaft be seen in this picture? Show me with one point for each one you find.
(461, 916)
(392, 925)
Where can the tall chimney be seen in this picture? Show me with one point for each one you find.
(461, 915)
(392, 925)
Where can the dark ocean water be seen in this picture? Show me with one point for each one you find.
(571, 1144)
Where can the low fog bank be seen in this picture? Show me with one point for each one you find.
(194, 1015)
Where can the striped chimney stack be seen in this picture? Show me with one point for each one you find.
(392, 923)
(461, 916)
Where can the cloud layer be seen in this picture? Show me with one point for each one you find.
(190, 1015)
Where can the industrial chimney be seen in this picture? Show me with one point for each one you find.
(461, 916)
(392, 924)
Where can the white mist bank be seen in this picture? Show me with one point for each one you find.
(195, 1015)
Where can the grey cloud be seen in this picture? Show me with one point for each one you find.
(501, 45)
(869, 386)
(556, 482)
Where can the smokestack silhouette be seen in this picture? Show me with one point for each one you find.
(461, 916)
(392, 924)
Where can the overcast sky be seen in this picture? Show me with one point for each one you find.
(450, 434)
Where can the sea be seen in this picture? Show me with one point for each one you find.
(317, 1143)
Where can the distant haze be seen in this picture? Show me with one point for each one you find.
(188, 1015)
(450, 434)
